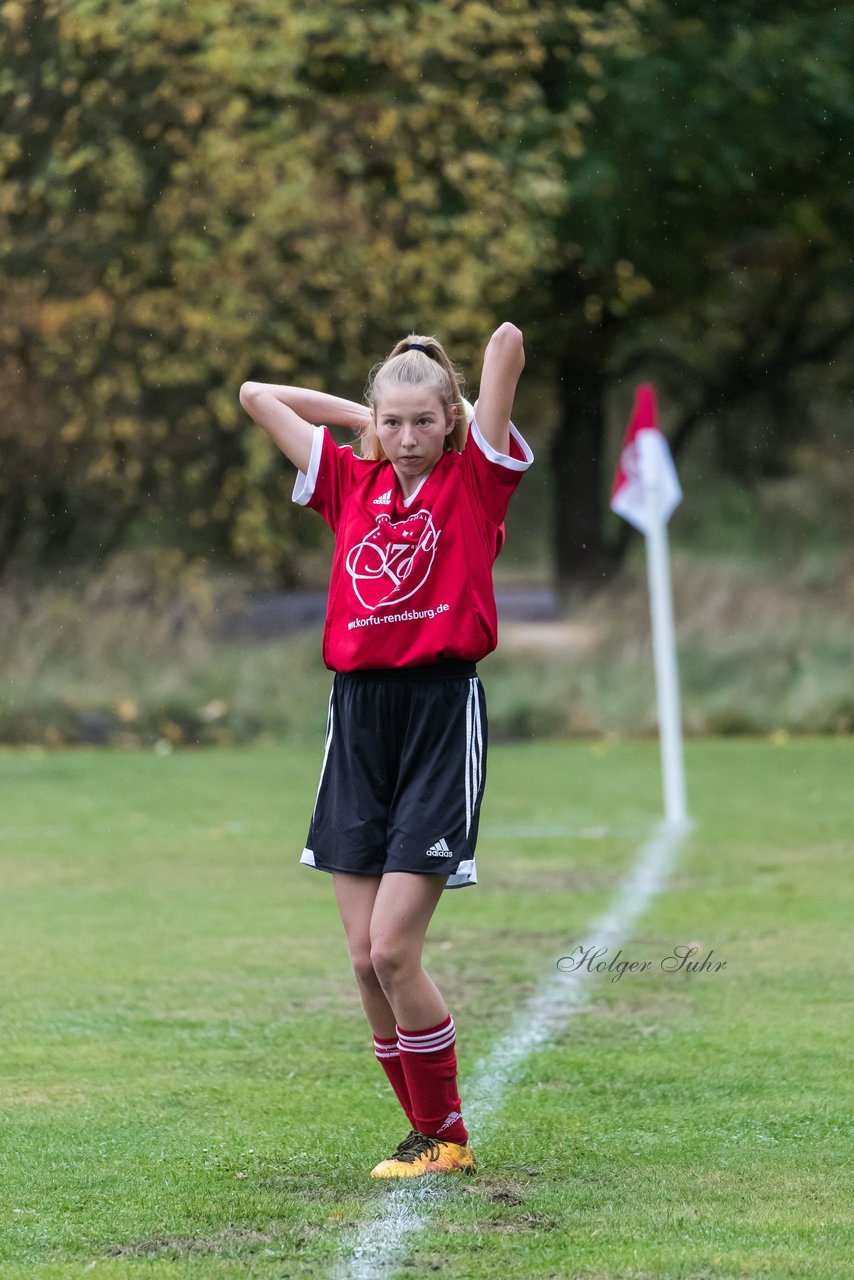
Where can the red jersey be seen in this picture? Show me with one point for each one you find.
(411, 577)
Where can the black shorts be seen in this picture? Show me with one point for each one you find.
(403, 774)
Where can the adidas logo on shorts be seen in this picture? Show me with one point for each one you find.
(439, 850)
(384, 500)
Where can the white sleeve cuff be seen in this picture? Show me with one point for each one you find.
(305, 481)
(503, 460)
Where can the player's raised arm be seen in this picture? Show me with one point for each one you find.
(503, 362)
(287, 415)
(320, 407)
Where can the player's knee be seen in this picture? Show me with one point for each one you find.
(363, 968)
(390, 961)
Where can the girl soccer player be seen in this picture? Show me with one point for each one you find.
(418, 521)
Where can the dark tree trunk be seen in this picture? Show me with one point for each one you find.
(583, 559)
(13, 513)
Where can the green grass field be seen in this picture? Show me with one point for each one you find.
(187, 1082)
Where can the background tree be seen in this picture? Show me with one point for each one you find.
(704, 241)
(188, 204)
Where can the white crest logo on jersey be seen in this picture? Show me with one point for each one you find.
(394, 560)
(384, 500)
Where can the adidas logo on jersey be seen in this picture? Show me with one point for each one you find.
(384, 500)
(439, 849)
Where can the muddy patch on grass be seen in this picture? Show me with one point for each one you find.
(505, 1223)
(182, 1246)
(504, 1206)
(496, 1190)
(524, 1222)
(501, 1191)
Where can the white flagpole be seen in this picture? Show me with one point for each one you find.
(663, 637)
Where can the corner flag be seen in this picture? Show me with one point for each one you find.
(627, 495)
(646, 491)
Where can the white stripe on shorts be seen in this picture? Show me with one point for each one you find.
(474, 751)
(466, 873)
(478, 772)
(468, 756)
(330, 722)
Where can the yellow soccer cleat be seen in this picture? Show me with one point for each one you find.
(418, 1154)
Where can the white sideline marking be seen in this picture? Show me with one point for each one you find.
(404, 1209)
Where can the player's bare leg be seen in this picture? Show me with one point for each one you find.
(403, 908)
(438, 1142)
(356, 896)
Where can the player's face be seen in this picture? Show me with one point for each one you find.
(412, 426)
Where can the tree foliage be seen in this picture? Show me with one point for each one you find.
(193, 195)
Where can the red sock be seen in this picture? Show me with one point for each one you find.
(429, 1062)
(389, 1059)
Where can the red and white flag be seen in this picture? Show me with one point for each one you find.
(627, 496)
